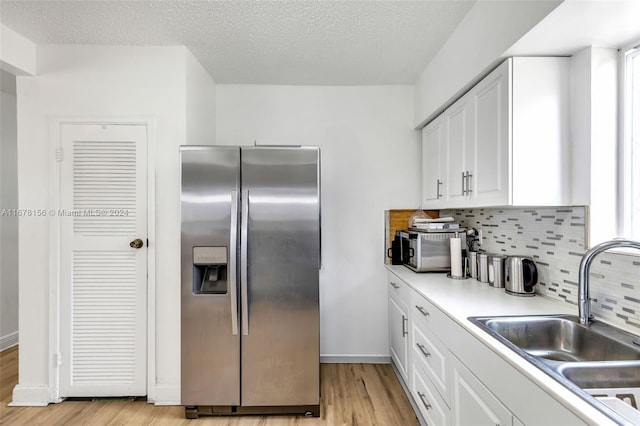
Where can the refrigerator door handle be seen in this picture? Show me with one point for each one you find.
(244, 268)
(233, 253)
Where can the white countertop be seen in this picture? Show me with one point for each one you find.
(460, 299)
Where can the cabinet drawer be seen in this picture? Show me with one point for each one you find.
(432, 356)
(431, 405)
(398, 288)
(432, 317)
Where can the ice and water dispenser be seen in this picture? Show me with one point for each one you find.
(210, 266)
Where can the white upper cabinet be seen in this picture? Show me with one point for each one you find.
(433, 159)
(460, 149)
(541, 166)
(505, 141)
(489, 171)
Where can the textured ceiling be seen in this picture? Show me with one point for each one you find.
(265, 42)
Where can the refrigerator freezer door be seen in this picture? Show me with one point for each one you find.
(280, 339)
(209, 213)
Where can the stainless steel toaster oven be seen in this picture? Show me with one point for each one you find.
(428, 251)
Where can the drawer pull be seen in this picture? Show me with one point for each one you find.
(394, 285)
(404, 328)
(422, 311)
(424, 401)
(464, 180)
(423, 350)
(468, 177)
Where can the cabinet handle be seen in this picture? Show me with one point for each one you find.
(394, 285)
(422, 311)
(468, 177)
(464, 180)
(438, 183)
(404, 328)
(423, 350)
(424, 401)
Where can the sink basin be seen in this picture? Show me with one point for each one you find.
(561, 338)
(603, 375)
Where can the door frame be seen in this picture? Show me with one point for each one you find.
(55, 124)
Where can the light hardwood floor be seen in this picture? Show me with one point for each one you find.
(352, 394)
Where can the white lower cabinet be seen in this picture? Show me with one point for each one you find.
(473, 403)
(431, 405)
(432, 356)
(399, 325)
(454, 379)
(517, 422)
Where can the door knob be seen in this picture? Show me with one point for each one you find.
(136, 244)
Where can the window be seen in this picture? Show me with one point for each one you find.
(631, 138)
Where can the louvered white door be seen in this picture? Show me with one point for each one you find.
(103, 286)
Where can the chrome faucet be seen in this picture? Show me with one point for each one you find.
(584, 301)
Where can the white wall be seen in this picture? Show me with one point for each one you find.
(102, 83)
(594, 126)
(581, 126)
(201, 103)
(17, 56)
(604, 145)
(17, 53)
(8, 224)
(477, 44)
(370, 162)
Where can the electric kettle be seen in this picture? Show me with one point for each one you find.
(521, 275)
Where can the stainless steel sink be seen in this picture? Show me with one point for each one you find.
(562, 338)
(581, 357)
(602, 375)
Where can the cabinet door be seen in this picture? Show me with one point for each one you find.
(398, 335)
(460, 151)
(489, 183)
(540, 132)
(431, 356)
(473, 404)
(432, 407)
(433, 163)
(517, 422)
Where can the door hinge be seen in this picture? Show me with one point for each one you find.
(57, 359)
(58, 154)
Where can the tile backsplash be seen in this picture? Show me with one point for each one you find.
(555, 238)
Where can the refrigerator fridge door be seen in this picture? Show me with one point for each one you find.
(210, 326)
(280, 257)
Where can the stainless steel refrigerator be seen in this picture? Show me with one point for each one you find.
(250, 250)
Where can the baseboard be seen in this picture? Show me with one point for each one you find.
(170, 394)
(166, 395)
(8, 341)
(355, 359)
(30, 396)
